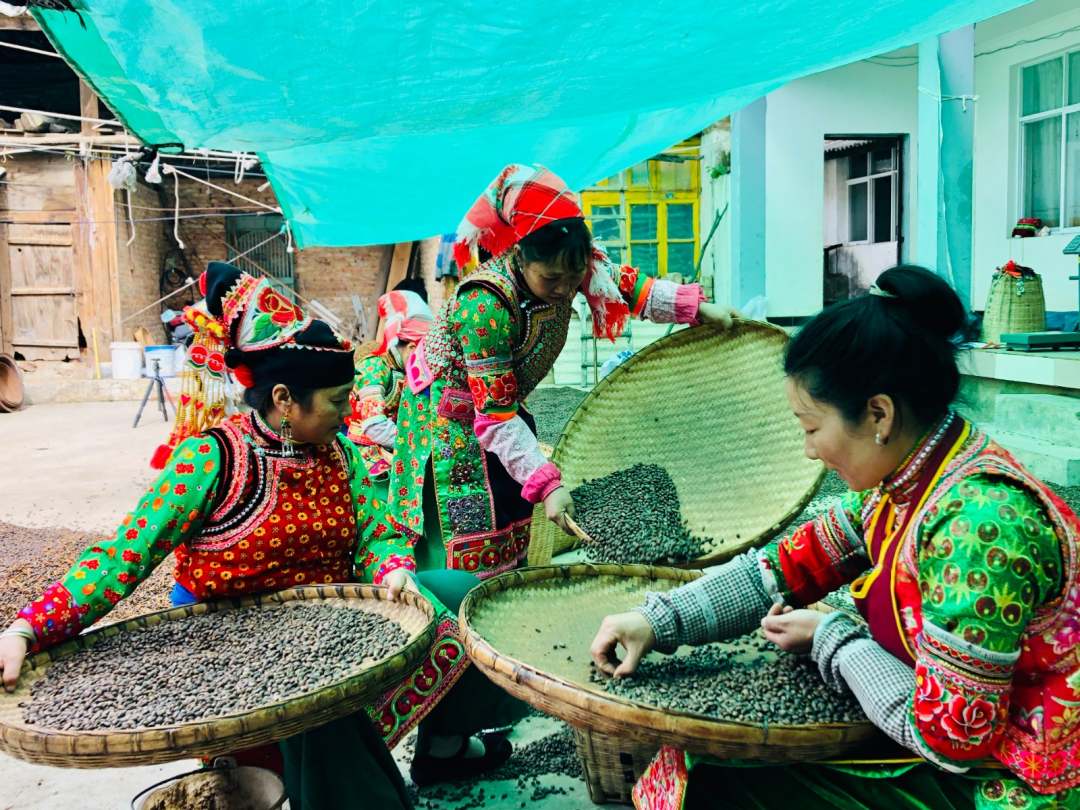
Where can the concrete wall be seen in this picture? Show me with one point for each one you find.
(996, 181)
(858, 99)
(715, 195)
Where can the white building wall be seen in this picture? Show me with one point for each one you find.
(858, 99)
(997, 201)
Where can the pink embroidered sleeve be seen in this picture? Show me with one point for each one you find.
(483, 324)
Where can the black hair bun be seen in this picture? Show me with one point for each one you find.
(926, 298)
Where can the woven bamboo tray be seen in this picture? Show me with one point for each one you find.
(710, 407)
(218, 735)
(513, 622)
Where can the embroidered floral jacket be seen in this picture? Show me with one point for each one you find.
(973, 590)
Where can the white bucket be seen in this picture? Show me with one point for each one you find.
(127, 360)
(166, 357)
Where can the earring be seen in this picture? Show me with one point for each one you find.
(288, 450)
(880, 442)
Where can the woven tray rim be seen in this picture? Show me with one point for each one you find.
(158, 744)
(614, 714)
(666, 343)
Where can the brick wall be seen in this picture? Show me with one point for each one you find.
(329, 275)
(139, 264)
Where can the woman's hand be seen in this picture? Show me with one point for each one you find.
(12, 653)
(399, 580)
(721, 316)
(633, 632)
(791, 630)
(557, 505)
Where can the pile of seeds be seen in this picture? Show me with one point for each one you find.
(209, 665)
(633, 516)
(747, 680)
(552, 409)
(33, 559)
(552, 755)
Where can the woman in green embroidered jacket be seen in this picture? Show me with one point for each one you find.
(467, 468)
(966, 653)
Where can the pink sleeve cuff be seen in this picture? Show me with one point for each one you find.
(542, 483)
(687, 299)
(54, 616)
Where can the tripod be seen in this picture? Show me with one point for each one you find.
(162, 393)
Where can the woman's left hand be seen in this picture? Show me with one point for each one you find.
(715, 314)
(791, 630)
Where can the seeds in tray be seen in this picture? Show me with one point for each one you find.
(209, 665)
(633, 516)
(747, 680)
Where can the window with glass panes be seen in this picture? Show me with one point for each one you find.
(647, 215)
(1050, 140)
(871, 195)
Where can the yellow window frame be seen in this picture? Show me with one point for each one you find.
(624, 199)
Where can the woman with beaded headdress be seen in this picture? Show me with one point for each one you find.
(272, 499)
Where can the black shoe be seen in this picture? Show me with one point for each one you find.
(428, 770)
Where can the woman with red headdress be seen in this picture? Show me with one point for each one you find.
(467, 467)
(380, 378)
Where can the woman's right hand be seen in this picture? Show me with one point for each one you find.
(557, 505)
(633, 632)
(13, 651)
(398, 581)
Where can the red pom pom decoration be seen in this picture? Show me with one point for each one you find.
(161, 456)
(202, 283)
(242, 374)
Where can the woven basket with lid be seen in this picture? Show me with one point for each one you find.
(219, 735)
(709, 406)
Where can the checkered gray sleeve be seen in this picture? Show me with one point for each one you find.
(884, 686)
(728, 601)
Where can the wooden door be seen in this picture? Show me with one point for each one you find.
(41, 268)
(38, 311)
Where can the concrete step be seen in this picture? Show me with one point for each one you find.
(1047, 417)
(1055, 463)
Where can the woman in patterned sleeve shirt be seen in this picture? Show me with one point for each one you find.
(467, 466)
(964, 568)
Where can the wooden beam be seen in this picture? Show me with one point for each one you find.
(95, 253)
(88, 107)
(38, 217)
(23, 22)
(7, 323)
(42, 290)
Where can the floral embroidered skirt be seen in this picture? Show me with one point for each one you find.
(675, 780)
(483, 520)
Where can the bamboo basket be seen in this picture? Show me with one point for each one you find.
(218, 735)
(709, 406)
(612, 765)
(513, 634)
(1013, 305)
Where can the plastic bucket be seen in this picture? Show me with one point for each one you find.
(127, 360)
(11, 385)
(166, 357)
